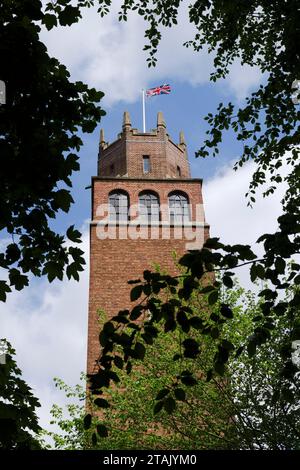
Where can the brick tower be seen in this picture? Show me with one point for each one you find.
(145, 205)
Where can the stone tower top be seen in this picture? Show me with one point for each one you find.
(137, 154)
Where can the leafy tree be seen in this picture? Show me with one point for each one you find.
(265, 35)
(18, 421)
(39, 141)
(265, 396)
(252, 407)
(42, 116)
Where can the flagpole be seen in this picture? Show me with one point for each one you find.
(144, 114)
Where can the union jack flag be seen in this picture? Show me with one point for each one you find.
(158, 90)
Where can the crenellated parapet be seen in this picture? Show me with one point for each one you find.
(137, 154)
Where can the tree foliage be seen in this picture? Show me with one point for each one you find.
(39, 141)
(256, 344)
(39, 134)
(251, 407)
(40, 123)
(18, 420)
(265, 35)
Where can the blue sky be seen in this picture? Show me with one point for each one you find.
(46, 323)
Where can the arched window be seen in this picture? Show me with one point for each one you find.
(118, 205)
(149, 206)
(179, 208)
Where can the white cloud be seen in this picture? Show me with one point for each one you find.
(240, 80)
(230, 218)
(108, 54)
(227, 211)
(47, 325)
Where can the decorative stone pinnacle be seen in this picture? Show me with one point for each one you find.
(160, 119)
(126, 119)
(181, 138)
(102, 141)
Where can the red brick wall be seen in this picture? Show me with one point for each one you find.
(126, 155)
(176, 159)
(102, 187)
(152, 145)
(114, 155)
(112, 264)
(115, 261)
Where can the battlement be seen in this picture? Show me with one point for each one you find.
(137, 154)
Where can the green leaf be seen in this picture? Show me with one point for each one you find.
(103, 338)
(102, 430)
(158, 407)
(74, 235)
(268, 294)
(13, 253)
(148, 339)
(49, 21)
(191, 348)
(87, 421)
(188, 379)
(219, 368)
(176, 357)
(62, 199)
(136, 292)
(297, 280)
(72, 271)
(251, 348)
(183, 321)
(257, 271)
(213, 297)
(227, 281)
(179, 394)
(101, 403)
(239, 351)
(134, 281)
(209, 375)
(196, 323)
(69, 15)
(213, 243)
(147, 289)
(128, 367)
(227, 345)
(207, 289)
(280, 265)
(162, 394)
(113, 376)
(4, 288)
(139, 351)
(18, 280)
(226, 311)
(136, 312)
(170, 325)
(215, 333)
(169, 405)
(94, 439)
(257, 318)
(222, 354)
(118, 362)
